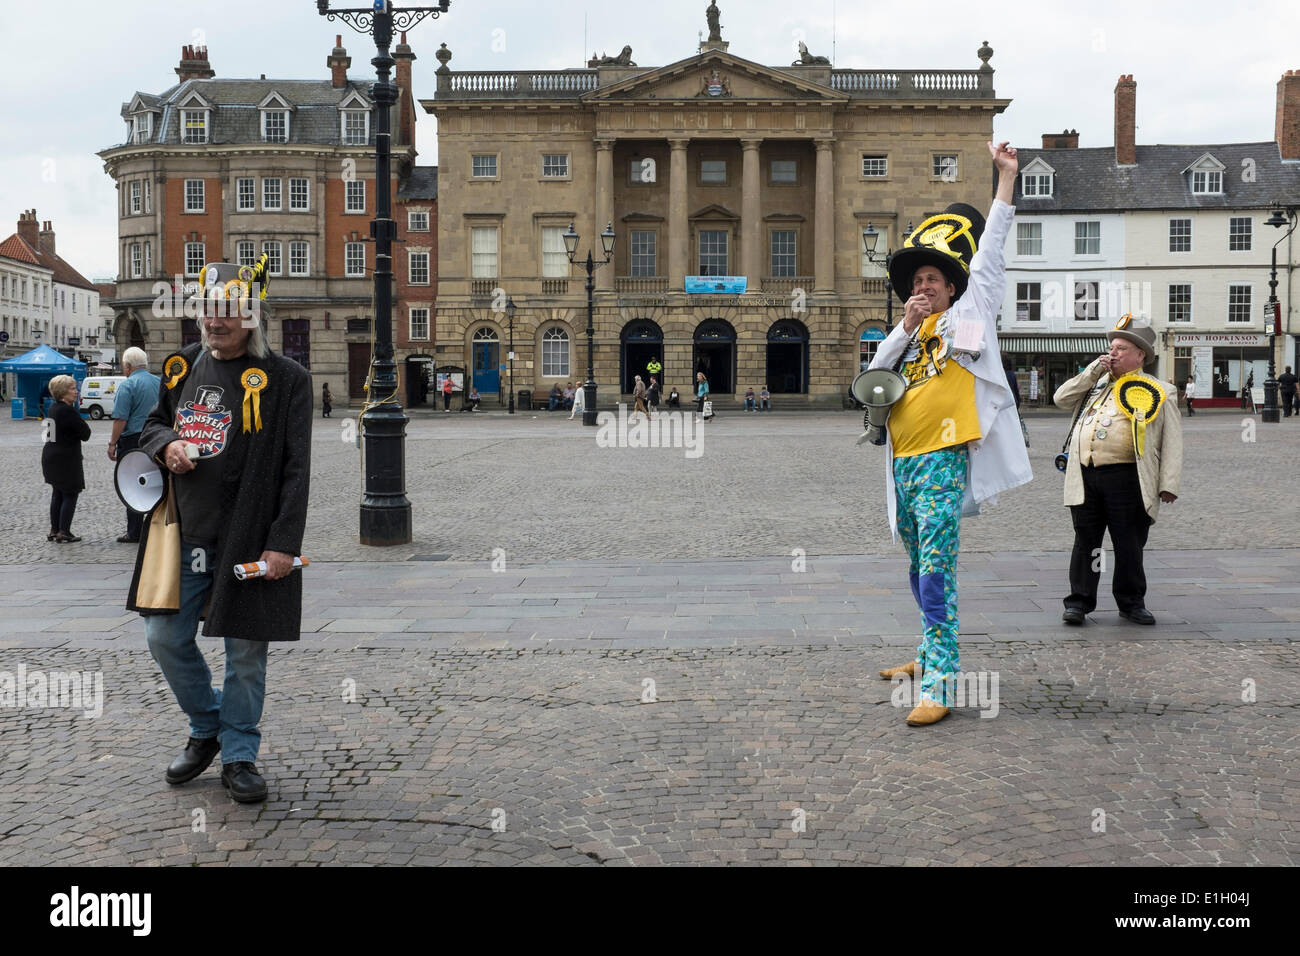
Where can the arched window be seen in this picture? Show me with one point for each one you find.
(555, 352)
(486, 334)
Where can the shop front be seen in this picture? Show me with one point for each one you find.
(1043, 363)
(1225, 364)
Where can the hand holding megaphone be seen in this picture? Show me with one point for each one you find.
(877, 389)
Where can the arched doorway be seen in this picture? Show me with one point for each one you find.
(787, 358)
(486, 346)
(715, 355)
(642, 343)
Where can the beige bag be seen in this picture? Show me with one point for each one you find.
(159, 587)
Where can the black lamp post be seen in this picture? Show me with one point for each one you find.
(870, 237)
(571, 247)
(510, 355)
(1272, 313)
(385, 510)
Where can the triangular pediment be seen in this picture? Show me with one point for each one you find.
(716, 76)
(1038, 166)
(715, 211)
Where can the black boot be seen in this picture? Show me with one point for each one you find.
(243, 782)
(196, 759)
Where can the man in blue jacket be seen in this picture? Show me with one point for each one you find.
(954, 438)
(135, 399)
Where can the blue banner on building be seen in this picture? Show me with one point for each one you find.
(717, 285)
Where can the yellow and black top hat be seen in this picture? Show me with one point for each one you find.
(229, 281)
(948, 241)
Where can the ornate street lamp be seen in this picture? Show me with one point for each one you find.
(571, 247)
(510, 355)
(385, 509)
(870, 238)
(1273, 312)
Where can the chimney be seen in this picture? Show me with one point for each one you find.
(27, 228)
(1126, 93)
(1286, 130)
(194, 64)
(1066, 139)
(46, 239)
(405, 98)
(338, 62)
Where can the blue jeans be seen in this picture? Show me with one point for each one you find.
(749, 404)
(232, 712)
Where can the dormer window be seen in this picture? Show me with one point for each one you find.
(1037, 180)
(354, 120)
(1207, 176)
(194, 126)
(275, 118)
(141, 128)
(1207, 182)
(275, 126)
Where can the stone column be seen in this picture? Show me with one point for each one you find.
(678, 227)
(824, 242)
(751, 217)
(604, 210)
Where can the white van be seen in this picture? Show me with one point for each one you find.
(98, 393)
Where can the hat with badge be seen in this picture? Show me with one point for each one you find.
(947, 241)
(238, 285)
(1140, 333)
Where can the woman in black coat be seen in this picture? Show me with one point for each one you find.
(61, 457)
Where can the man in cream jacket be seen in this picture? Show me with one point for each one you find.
(1119, 469)
(954, 438)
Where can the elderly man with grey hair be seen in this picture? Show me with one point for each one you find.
(135, 399)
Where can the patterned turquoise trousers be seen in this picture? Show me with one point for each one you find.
(930, 489)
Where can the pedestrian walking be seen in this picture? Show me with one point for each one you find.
(952, 438)
(1121, 466)
(61, 462)
(246, 413)
(326, 400)
(579, 401)
(701, 395)
(132, 404)
(1189, 392)
(638, 397)
(1286, 392)
(652, 395)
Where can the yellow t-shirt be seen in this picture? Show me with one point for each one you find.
(938, 408)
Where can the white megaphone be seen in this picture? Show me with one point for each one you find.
(878, 389)
(139, 481)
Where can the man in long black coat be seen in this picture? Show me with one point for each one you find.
(233, 429)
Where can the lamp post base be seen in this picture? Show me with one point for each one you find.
(589, 403)
(385, 509)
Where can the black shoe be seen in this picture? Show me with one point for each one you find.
(1073, 616)
(1139, 615)
(243, 782)
(127, 539)
(66, 537)
(196, 759)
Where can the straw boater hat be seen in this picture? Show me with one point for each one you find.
(947, 241)
(1140, 333)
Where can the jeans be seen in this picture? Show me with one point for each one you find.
(231, 712)
(764, 404)
(749, 404)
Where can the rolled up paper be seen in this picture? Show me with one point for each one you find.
(257, 569)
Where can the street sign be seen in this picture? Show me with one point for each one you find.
(74, 340)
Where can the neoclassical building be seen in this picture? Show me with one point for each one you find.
(713, 166)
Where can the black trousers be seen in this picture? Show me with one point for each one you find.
(1286, 401)
(134, 520)
(63, 505)
(1112, 501)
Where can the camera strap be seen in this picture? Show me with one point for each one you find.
(1079, 414)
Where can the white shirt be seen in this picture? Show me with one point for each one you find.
(998, 461)
(1190, 391)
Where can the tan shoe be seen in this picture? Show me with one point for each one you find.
(926, 713)
(909, 669)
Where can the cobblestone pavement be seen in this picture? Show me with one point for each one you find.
(539, 487)
(430, 704)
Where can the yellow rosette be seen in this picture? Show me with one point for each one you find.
(253, 380)
(1140, 399)
(175, 368)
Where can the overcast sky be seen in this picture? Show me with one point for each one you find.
(1206, 72)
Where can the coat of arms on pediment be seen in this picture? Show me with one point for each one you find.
(715, 84)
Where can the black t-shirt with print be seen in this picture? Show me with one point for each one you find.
(209, 414)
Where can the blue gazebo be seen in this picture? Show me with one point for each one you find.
(34, 370)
